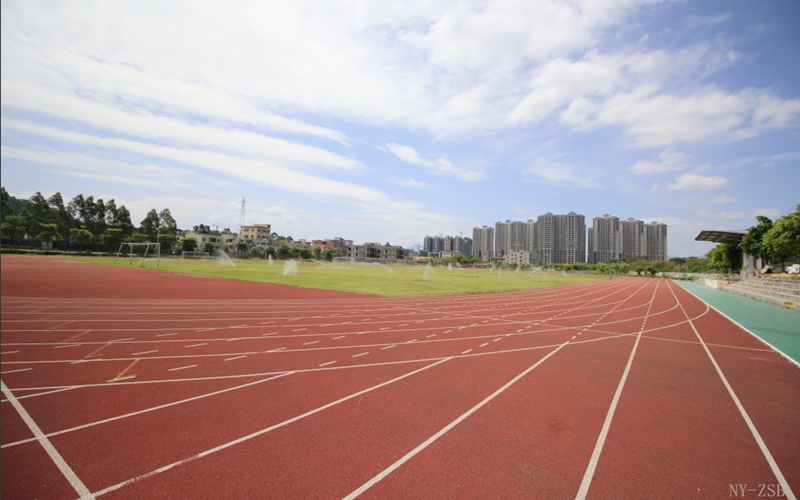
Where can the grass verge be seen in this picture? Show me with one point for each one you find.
(373, 279)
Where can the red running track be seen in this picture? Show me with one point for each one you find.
(129, 383)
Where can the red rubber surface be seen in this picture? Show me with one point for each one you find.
(151, 386)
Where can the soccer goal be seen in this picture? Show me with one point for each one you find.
(195, 255)
(156, 247)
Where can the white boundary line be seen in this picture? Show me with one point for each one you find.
(62, 465)
(263, 431)
(787, 490)
(742, 327)
(148, 410)
(601, 439)
(408, 456)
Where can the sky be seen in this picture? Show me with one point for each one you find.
(389, 121)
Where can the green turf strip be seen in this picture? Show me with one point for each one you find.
(780, 327)
(389, 281)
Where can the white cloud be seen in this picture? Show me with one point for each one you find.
(559, 174)
(668, 162)
(722, 215)
(697, 182)
(439, 166)
(658, 120)
(409, 182)
(724, 198)
(772, 213)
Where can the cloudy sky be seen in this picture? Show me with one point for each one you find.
(387, 121)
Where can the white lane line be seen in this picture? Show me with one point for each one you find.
(411, 341)
(206, 329)
(264, 431)
(787, 491)
(328, 363)
(467, 351)
(121, 340)
(267, 322)
(497, 339)
(266, 334)
(14, 352)
(404, 324)
(340, 337)
(448, 331)
(181, 368)
(278, 349)
(166, 334)
(237, 357)
(573, 337)
(233, 339)
(298, 329)
(429, 336)
(197, 345)
(147, 410)
(386, 328)
(601, 439)
(387, 347)
(313, 342)
(57, 347)
(239, 326)
(408, 456)
(62, 465)
(361, 354)
(144, 352)
(16, 371)
(484, 345)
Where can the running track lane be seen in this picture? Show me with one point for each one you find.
(525, 423)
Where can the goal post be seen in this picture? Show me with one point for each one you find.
(196, 255)
(147, 246)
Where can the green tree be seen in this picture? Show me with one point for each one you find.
(202, 229)
(753, 242)
(63, 218)
(82, 235)
(48, 233)
(284, 252)
(119, 218)
(241, 247)
(13, 228)
(168, 241)
(37, 212)
(305, 253)
(317, 252)
(270, 252)
(783, 240)
(188, 244)
(150, 225)
(168, 224)
(140, 238)
(256, 252)
(112, 237)
(724, 256)
(5, 205)
(209, 247)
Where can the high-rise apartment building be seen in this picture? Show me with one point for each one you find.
(606, 239)
(656, 237)
(483, 242)
(612, 239)
(634, 244)
(569, 238)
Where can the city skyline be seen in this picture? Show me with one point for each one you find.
(392, 121)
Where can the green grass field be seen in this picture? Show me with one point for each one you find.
(368, 279)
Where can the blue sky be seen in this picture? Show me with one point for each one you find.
(387, 121)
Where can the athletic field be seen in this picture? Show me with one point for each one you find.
(131, 383)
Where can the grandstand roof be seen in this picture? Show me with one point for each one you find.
(720, 237)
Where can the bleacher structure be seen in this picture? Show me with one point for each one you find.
(782, 291)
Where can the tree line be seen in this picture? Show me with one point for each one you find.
(84, 221)
(773, 242)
